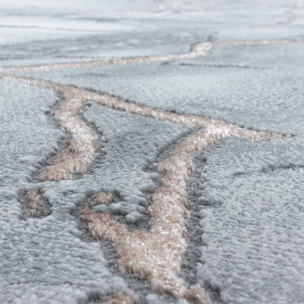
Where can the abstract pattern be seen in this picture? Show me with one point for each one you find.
(155, 254)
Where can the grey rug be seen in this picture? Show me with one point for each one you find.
(244, 239)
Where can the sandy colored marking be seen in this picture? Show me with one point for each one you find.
(34, 205)
(81, 148)
(157, 255)
(104, 198)
(120, 298)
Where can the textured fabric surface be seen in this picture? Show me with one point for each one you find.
(236, 62)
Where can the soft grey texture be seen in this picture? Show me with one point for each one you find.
(251, 217)
(250, 193)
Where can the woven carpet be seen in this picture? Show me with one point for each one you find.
(152, 152)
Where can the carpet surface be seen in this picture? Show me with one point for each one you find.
(152, 152)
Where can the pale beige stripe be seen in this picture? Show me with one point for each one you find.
(200, 49)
